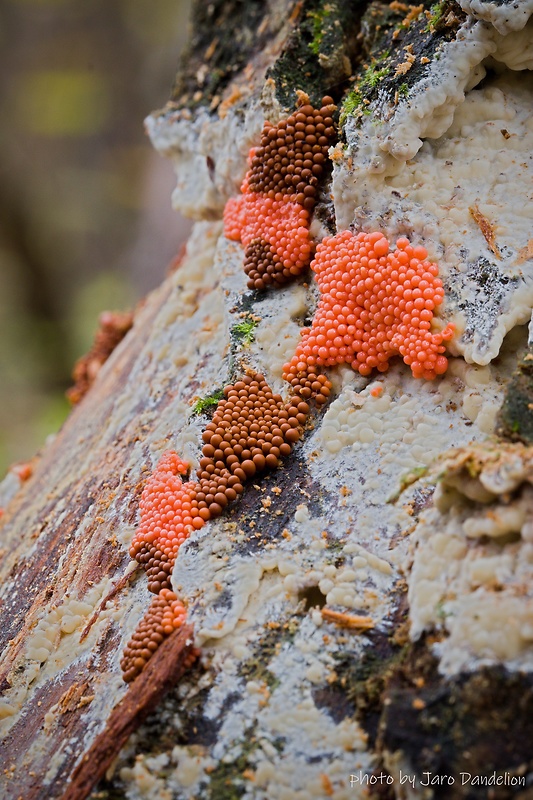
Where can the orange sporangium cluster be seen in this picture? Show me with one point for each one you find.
(271, 217)
(252, 429)
(112, 328)
(167, 518)
(275, 235)
(165, 614)
(375, 303)
(169, 513)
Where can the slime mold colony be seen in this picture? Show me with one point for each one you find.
(251, 430)
(374, 304)
(278, 194)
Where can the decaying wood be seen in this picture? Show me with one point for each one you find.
(59, 541)
(298, 594)
(161, 673)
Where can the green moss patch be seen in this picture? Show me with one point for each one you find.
(244, 332)
(205, 404)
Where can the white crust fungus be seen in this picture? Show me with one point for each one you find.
(50, 646)
(505, 15)
(209, 154)
(472, 571)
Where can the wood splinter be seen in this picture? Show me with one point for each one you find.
(174, 657)
(353, 621)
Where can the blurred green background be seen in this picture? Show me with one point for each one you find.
(85, 218)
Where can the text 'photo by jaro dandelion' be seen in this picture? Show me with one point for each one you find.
(436, 779)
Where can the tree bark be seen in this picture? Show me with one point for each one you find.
(363, 612)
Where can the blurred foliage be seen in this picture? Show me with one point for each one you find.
(62, 102)
(85, 220)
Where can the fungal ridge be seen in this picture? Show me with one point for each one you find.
(375, 303)
(272, 215)
(251, 431)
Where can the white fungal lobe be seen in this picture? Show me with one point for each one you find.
(473, 561)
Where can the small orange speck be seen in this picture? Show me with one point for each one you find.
(23, 471)
(327, 786)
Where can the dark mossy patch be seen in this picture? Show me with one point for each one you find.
(399, 43)
(244, 332)
(319, 20)
(319, 53)
(442, 17)
(244, 303)
(515, 420)
(225, 35)
(475, 724)
(333, 700)
(479, 724)
(363, 681)
(256, 668)
(208, 403)
(320, 46)
(378, 20)
(163, 729)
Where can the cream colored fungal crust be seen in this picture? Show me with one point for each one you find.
(439, 170)
(209, 154)
(472, 569)
(50, 645)
(351, 556)
(278, 332)
(400, 424)
(277, 703)
(505, 16)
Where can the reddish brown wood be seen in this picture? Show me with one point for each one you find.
(167, 666)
